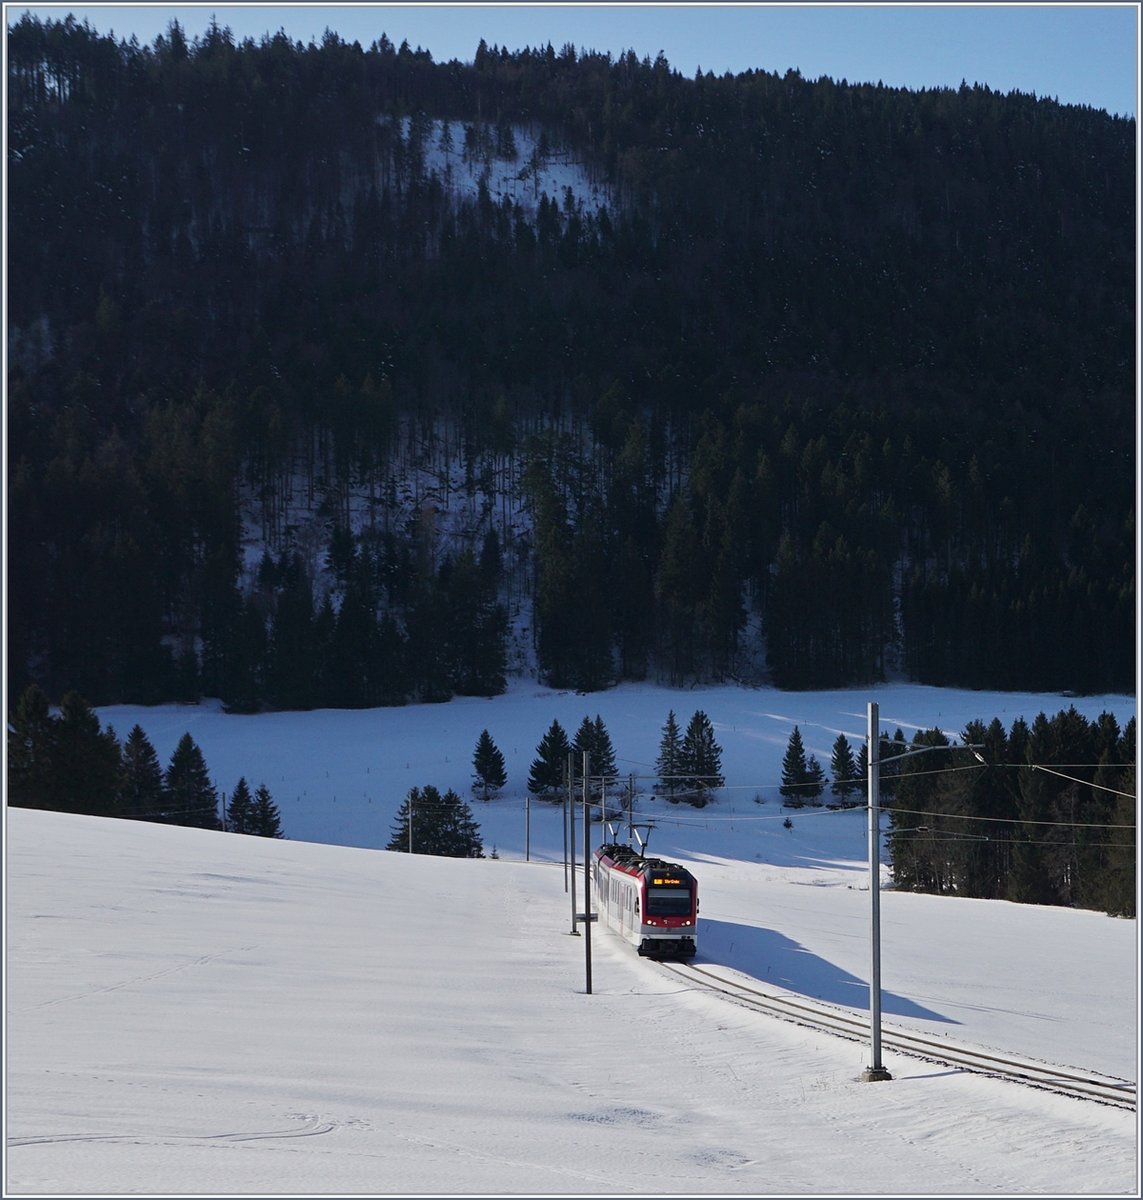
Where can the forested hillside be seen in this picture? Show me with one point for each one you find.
(827, 381)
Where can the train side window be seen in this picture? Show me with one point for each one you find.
(636, 903)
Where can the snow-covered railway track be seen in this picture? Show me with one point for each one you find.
(1104, 1089)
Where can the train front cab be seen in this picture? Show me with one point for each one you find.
(669, 925)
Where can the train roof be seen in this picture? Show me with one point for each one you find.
(631, 859)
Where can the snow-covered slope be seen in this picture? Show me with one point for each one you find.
(201, 1013)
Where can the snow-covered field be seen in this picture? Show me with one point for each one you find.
(200, 1013)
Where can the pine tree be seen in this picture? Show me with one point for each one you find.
(583, 743)
(679, 586)
(701, 758)
(294, 651)
(602, 751)
(815, 781)
(141, 778)
(793, 789)
(668, 765)
(31, 751)
(441, 825)
(593, 739)
(477, 627)
(1119, 886)
(547, 774)
(87, 761)
(240, 810)
(244, 687)
(191, 798)
(267, 822)
(404, 829)
(488, 766)
(846, 781)
(1030, 880)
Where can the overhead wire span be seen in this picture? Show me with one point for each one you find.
(1073, 779)
(1015, 820)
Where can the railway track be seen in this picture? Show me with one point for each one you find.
(1104, 1089)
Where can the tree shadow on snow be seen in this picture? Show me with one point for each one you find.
(771, 957)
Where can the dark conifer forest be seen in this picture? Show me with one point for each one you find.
(838, 381)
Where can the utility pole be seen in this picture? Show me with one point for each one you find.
(527, 827)
(569, 832)
(586, 874)
(875, 1072)
(410, 824)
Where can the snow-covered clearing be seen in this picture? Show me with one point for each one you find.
(200, 1013)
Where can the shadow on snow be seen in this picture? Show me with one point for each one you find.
(772, 958)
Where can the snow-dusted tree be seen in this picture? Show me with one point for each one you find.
(489, 775)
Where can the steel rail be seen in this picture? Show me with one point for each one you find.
(817, 1015)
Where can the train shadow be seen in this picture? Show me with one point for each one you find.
(771, 957)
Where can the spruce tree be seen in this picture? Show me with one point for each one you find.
(31, 751)
(489, 775)
(404, 831)
(1120, 881)
(815, 781)
(846, 781)
(267, 822)
(478, 629)
(546, 776)
(190, 796)
(246, 660)
(87, 761)
(583, 743)
(701, 758)
(441, 825)
(461, 833)
(294, 651)
(668, 765)
(593, 739)
(793, 790)
(141, 778)
(602, 751)
(240, 810)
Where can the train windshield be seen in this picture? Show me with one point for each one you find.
(669, 901)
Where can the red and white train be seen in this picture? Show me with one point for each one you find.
(648, 902)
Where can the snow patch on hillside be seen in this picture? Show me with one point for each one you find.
(518, 162)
